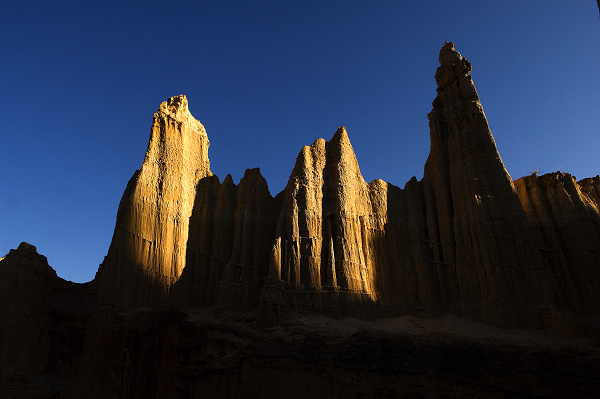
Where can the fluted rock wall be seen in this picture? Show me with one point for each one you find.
(456, 242)
(230, 234)
(148, 249)
(565, 216)
(321, 251)
(466, 240)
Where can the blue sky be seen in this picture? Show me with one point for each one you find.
(79, 82)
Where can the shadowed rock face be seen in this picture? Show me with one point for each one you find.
(465, 240)
(564, 215)
(42, 325)
(489, 267)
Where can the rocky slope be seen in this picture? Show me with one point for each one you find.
(465, 241)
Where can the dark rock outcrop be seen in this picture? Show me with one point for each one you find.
(489, 268)
(173, 354)
(42, 325)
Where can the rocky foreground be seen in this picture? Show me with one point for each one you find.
(464, 284)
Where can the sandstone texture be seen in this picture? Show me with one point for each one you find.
(148, 250)
(464, 284)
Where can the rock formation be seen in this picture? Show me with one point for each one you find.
(462, 240)
(42, 324)
(488, 266)
(565, 217)
(465, 242)
(148, 250)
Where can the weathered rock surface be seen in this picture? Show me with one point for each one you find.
(321, 258)
(488, 267)
(456, 242)
(148, 250)
(566, 218)
(231, 230)
(464, 243)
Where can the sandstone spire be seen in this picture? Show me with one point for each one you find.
(472, 207)
(149, 244)
(321, 249)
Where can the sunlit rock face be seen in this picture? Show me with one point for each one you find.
(458, 241)
(148, 249)
(320, 260)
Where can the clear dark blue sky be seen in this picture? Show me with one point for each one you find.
(79, 82)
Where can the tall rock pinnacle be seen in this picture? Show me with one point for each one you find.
(472, 206)
(152, 222)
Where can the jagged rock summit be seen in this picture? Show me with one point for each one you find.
(465, 242)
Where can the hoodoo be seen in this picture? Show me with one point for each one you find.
(148, 250)
(215, 289)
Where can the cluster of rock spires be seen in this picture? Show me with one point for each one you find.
(465, 240)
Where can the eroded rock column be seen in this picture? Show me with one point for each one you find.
(148, 249)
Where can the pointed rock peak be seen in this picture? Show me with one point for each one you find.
(452, 66)
(340, 152)
(449, 55)
(228, 179)
(177, 108)
(341, 140)
(252, 174)
(255, 180)
(176, 103)
(29, 253)
(26, 247)
(340, 134)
